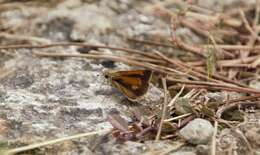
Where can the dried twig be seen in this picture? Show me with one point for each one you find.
(157, 68)
(198, 73)
(179, 43)
(228, 62)
(222, 46)
(28, 46)
(149, 42)
(233, 47)
(163, 110)
(254, 33)
(177, 117)
(51, 142)
(176, 97)
(247, 25)
(201, 83)
(242, 99)
(218, 88)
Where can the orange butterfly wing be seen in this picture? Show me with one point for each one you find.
(132, 84)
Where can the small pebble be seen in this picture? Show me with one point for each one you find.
(198, 131)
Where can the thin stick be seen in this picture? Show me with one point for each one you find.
(255, 24)
(183, 66)
(149, 42)
(177, 117)
(253, 33)
(179, 43)
(51, 142)
(257, 11)
(222, 46)
(226, 107)
(196, 8)
(137, 58)
(200, 74)
(28, 46)
(176, 97)
(213, 143)
(214, 85)
(227, 62)
(195, 28)
(158, 68)
(245, 21)
(242, 99)
(164, 109)
(216, 88)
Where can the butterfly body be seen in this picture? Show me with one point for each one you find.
(133, 84)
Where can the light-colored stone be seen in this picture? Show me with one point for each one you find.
(198, 131)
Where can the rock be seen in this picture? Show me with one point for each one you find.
(198, 131)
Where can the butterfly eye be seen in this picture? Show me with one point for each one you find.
(106, 76)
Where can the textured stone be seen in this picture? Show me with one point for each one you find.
(198, 131)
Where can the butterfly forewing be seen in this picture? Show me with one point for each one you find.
(133, 84)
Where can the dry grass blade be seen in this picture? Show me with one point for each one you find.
(218, 88)
(150, 66)
(197, 73)
(28, 46)
(177, 117)
(257, 11)
(51, 142)
(233, 47)
(253, 33)
(179, 43)
(235, 102)
(247, 25)
(149, 42)
(176, 97)
(215, 85)
(163, 110)
(243, 99)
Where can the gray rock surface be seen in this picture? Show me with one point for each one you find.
(198, 131)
